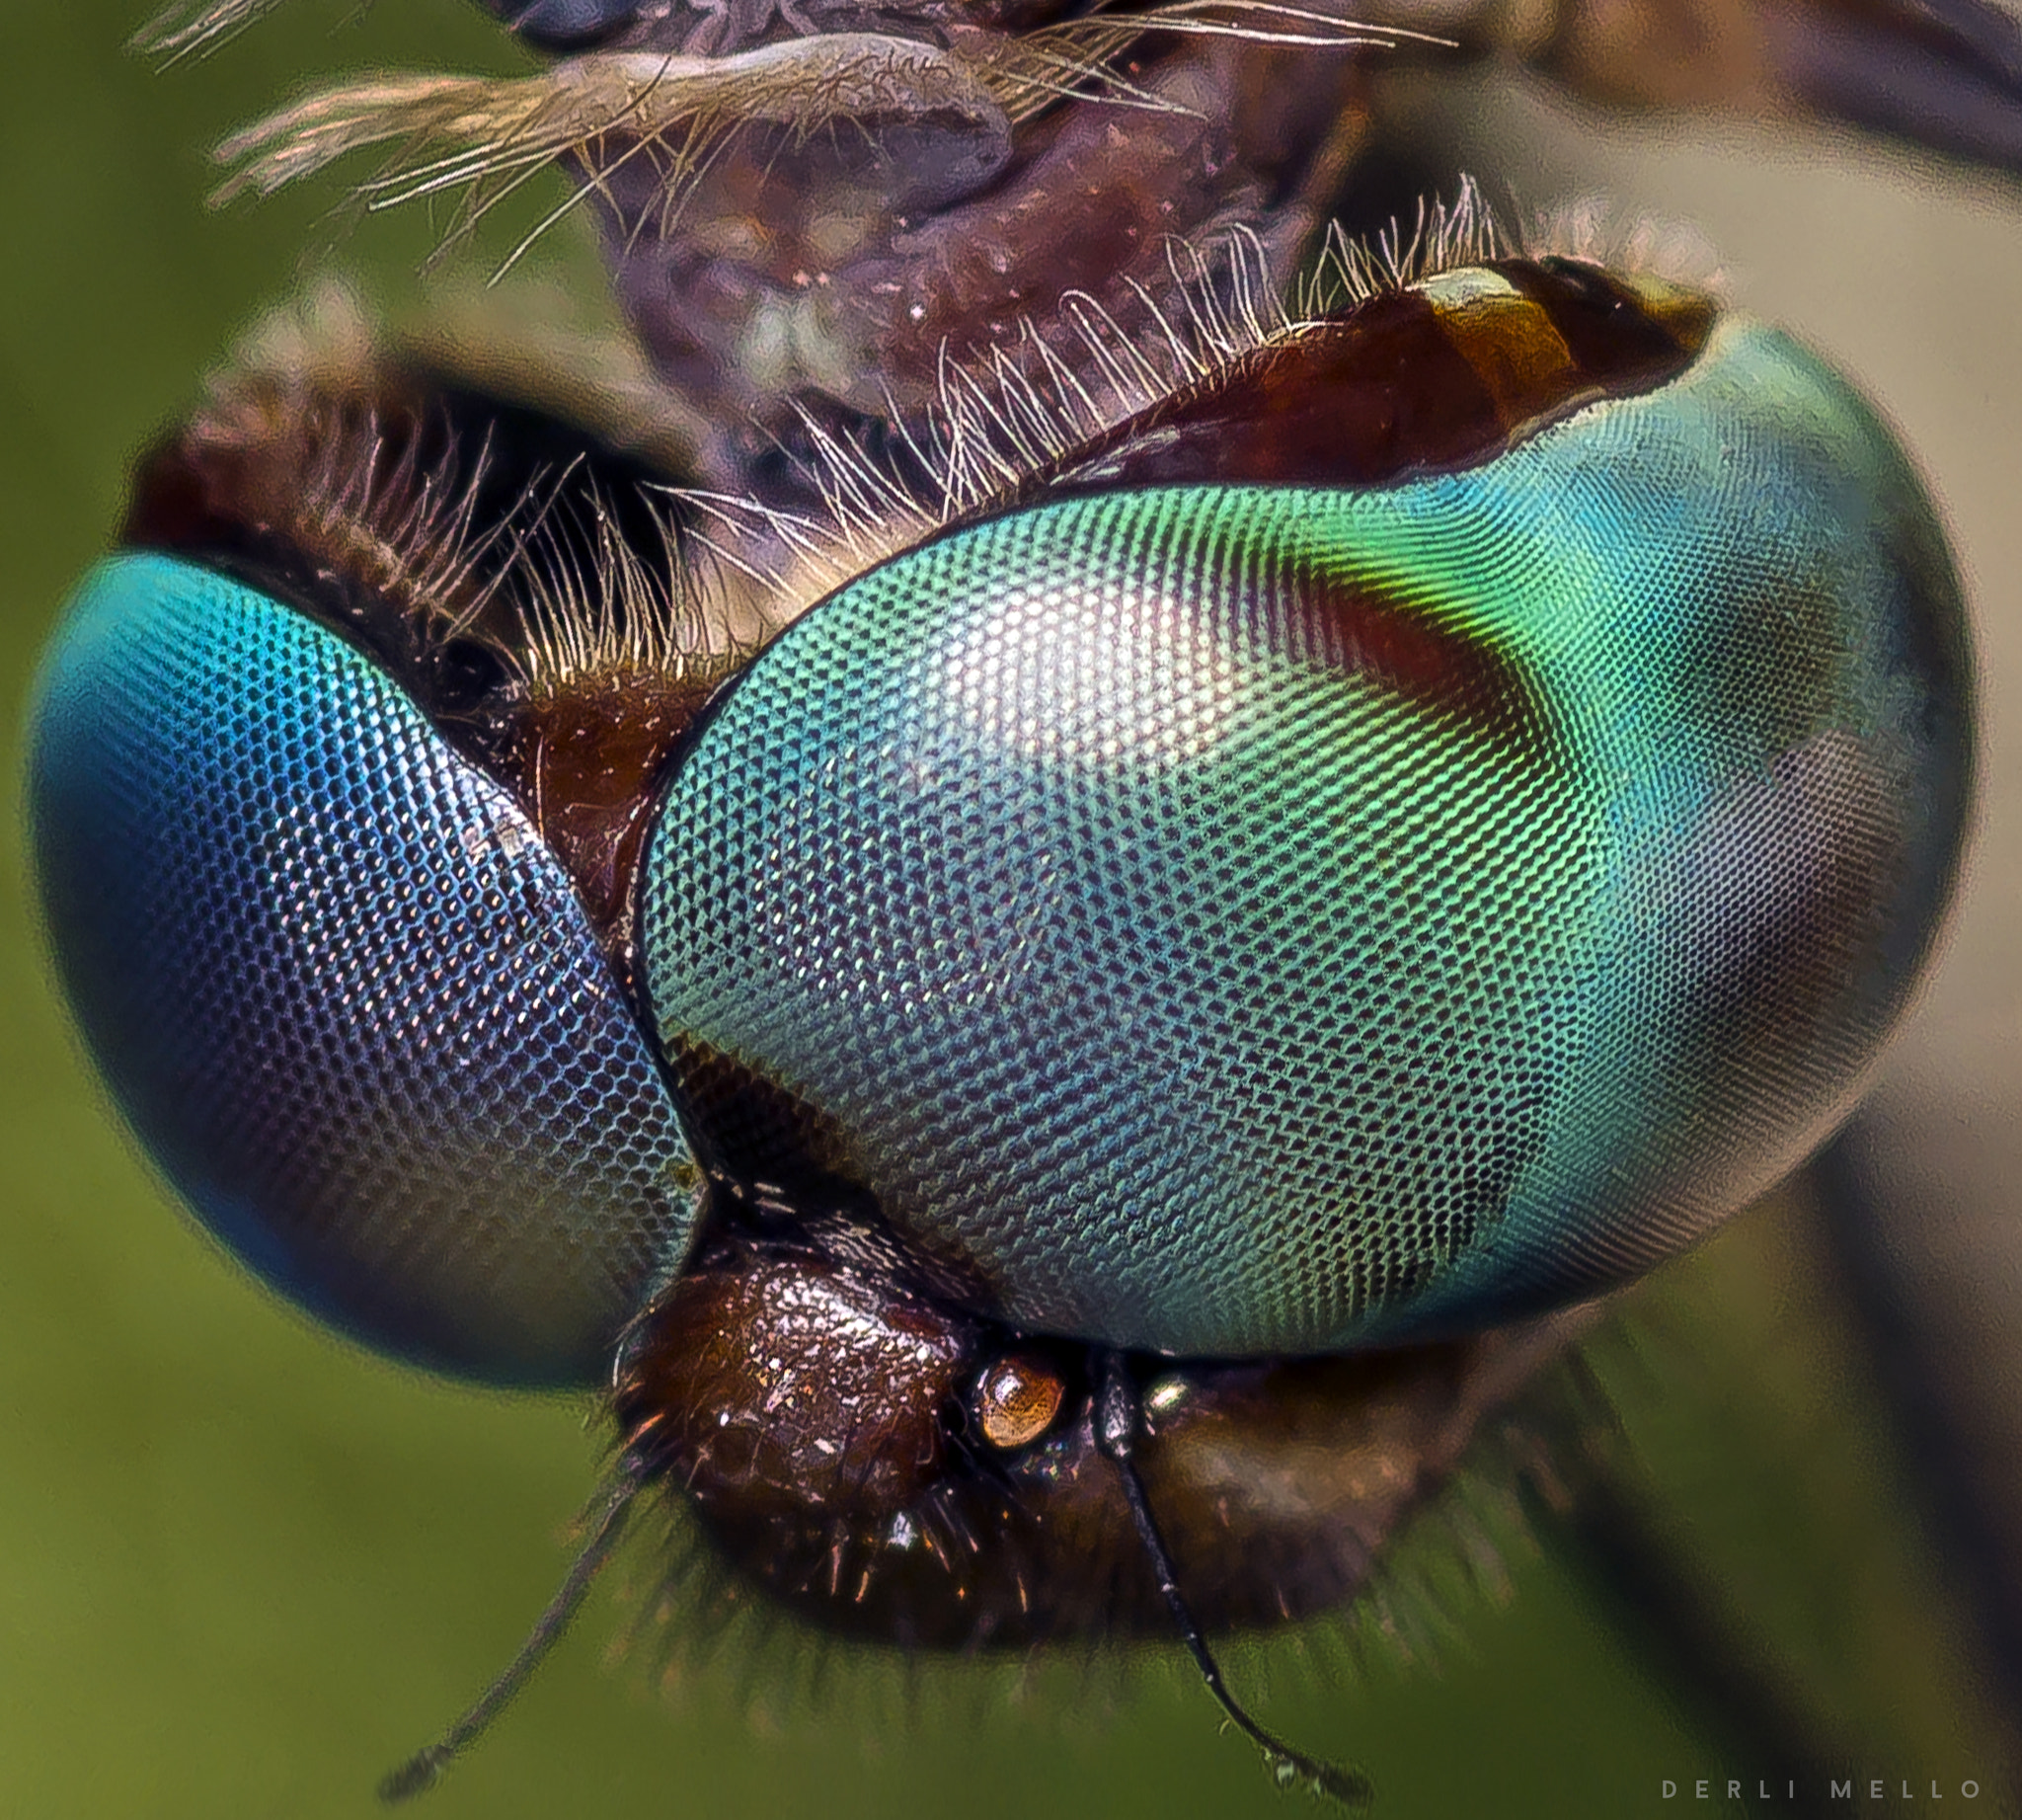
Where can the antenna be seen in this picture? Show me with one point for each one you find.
(423, 1770)
(1116, 1438)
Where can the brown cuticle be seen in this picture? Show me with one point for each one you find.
(1276, 1483)
(775, 1385)
(1398, 385)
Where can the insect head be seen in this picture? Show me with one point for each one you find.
(1035, 1081)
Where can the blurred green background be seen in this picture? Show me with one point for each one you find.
(247, 1569)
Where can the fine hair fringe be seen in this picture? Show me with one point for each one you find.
(1022, 408)
(668, 117)
(720, 574)
(390, 488)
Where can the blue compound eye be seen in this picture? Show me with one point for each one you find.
(1232, 919)
(343, 990)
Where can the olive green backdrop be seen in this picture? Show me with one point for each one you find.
(242, 1569)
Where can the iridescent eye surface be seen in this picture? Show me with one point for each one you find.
(1231, 919)
(344, 991)
(1396, 836)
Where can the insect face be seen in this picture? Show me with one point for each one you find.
(1253, 895)
(1086, 1064)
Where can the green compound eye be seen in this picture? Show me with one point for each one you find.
(1231, 919)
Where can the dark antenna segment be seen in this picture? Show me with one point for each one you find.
(423, 1770)
(1116, 1438)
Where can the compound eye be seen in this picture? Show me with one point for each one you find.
(1227, 918)
(345, 994)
